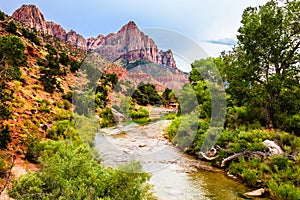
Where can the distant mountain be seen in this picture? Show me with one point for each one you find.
(129, 42)
(32, 16)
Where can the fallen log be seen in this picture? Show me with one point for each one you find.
(210, 155)
(248, 154)
(203, 155)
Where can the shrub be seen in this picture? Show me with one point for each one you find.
(2, 16)
(69, 171)
(11, 54)
(249, 177)
(5, 136)
(61, 130)
(279, 162)
(75, 65)
(31, 36)
(64, 59)
(284, 191)
(107, 118)
(44, 106)
(3, 167)
(140, 113)
(11, 28)
(67, 104)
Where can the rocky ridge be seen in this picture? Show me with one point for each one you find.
(129, 42)
(32, 17)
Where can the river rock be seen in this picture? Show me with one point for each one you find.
(142, 145)
(117, 115)
(274, 148)
(255, 193)
(126, 150)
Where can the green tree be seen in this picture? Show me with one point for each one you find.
(11, 28)
(263, 70)
(5, 136)
(49, 72)
(69, 171)
(146, 94)
(11, 57)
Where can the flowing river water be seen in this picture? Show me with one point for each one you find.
(174, 174)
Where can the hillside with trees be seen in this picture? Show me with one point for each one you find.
(37, 129)
(261, 76)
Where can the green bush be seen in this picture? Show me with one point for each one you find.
(61, 130)
(69, 171)
(107, 118)
(11, 54)
(44, 107)
(249, 177)
(5, 136)
(147, 95)
(31, 36)
(74, 65)
(2, 16)
(284, 191)
(279, 162)
(139, 114)
(11, 28)
(3, 168)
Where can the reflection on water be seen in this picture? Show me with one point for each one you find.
(173, 173)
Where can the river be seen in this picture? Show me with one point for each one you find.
(174, 174)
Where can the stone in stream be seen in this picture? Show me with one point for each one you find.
(126, 150)
(255, 193)
(142, 145)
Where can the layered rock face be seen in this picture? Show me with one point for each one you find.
(75, 39)
(32, 16)
(131, 44)
(128, 43)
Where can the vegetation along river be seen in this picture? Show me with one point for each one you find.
(174, 174)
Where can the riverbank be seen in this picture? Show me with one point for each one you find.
(174, 174)
(259, 158)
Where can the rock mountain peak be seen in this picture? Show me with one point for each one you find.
(128, 43)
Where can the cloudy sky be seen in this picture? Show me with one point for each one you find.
(212, 24)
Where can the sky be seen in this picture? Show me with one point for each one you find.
(212, 24)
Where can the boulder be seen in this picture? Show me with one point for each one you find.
(274, 148)
(255, 193)
(142, 145)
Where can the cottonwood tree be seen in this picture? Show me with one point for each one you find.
(263, 69)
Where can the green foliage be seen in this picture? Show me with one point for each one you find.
(11, 57)
(61, 130)
(11, 27)
(140, 113)
(44, 106)
(74, 65)
(2, 16)
(31, 36)
(146, 94)
(64, 59)
(263, 67)
(284, 191)
(249, 176)
(5, 136)
(6, 94)
(168, 96)
(69, 171)
(107, 118)
(3, 167)
(50, 71)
